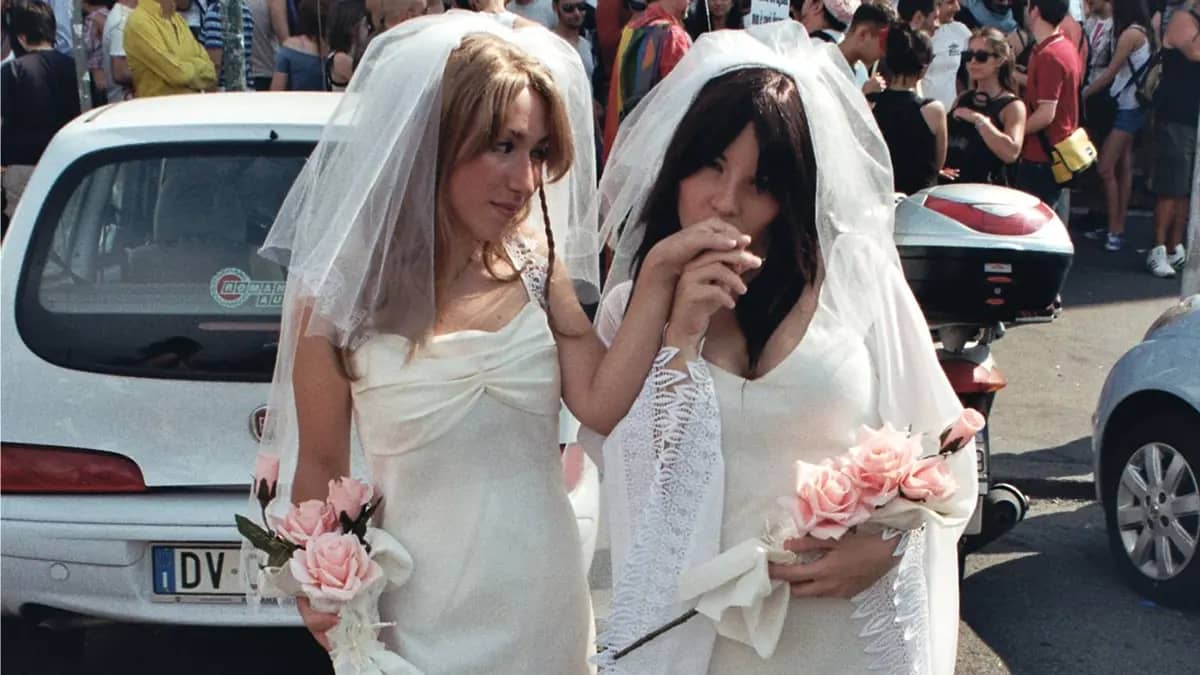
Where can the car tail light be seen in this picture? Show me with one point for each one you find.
(43, 469)
(1002, 219)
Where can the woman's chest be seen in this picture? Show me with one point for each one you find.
(808, 407)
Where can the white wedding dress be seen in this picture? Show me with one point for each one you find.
(805, 408)
(462, 440)
(708, 451)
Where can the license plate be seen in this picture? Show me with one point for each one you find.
(186, 570)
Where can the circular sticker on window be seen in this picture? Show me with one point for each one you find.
(231, 287)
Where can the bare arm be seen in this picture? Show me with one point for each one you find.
(279, 81)
(1130, 40)
(279, 21)
(1183, 33)
(1004, 143)
(323, 417)
(1042, 117)
(935, 118)
(120, 71)
(215, 55)
(599, 386)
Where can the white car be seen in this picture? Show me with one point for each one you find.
(139, 330)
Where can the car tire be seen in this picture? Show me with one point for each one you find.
(1169, 441)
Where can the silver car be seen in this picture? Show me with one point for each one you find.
(1146, 447)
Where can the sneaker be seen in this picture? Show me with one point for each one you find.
(1156, 262)
(1178, 257)
(1096, 234)
(1115, 242)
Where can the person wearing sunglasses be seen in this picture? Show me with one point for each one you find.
(570, 14)
(987, 122)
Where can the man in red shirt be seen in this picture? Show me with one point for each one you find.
(651, 45)
(1052, 97)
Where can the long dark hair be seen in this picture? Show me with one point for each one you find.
(1129, 13)
(342, 30)
(908, 51)
(696, 22)
(768, 101)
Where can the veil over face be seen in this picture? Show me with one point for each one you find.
(357, 231)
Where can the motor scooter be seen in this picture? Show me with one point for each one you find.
(980, 259)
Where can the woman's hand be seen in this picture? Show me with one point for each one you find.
(850, 565)
(666, 261)
(967, 115)
(949, 173)
(709, 283)
(316, 622)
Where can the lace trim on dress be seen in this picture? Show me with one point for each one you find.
(533, 266)
(670, 445)
(895, 610)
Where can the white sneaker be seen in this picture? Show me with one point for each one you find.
(1177, 257)
(1156, 262)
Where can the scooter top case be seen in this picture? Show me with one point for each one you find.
(978, 254)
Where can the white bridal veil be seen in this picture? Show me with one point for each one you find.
(665, 506)
(356, 231)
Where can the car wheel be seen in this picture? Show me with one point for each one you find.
(1151, 494)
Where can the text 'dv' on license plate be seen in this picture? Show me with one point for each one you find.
(196, 572)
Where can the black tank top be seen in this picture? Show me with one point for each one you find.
(1177, 98)
(908, 138)
(966, 151)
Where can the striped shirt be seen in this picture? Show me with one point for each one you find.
(211, 32)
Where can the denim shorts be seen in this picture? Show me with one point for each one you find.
(1130, 121)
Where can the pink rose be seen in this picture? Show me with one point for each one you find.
(956, 436)
(305, 521)
(879, 461)
(348, 496)
(929, 480)
(827, 502)
(266, 477)
(333, 568)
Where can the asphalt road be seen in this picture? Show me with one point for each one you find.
(1044, 598)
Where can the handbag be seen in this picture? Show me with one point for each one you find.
(1071, 157)
(1148, 83)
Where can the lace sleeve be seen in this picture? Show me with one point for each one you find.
(667, 494)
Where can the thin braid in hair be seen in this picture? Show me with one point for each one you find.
(550, 245)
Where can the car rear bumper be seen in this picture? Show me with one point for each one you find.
(103, 568)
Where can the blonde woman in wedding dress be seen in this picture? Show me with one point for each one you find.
(434, 243)
(759, 129)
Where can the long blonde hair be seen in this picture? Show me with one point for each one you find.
(484, 76)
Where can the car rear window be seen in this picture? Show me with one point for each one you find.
(144, 262)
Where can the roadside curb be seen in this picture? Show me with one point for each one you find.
(1053, 488)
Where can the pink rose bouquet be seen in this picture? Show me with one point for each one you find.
(883, 478)
(882, 466)
(327, 551)
(332, 569)
(828, 501)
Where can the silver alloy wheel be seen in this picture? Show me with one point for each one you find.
(1158, 511)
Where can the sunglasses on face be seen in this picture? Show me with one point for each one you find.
(569, 8)
(979, 57)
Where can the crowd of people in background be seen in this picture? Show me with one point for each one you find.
(973, 91)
